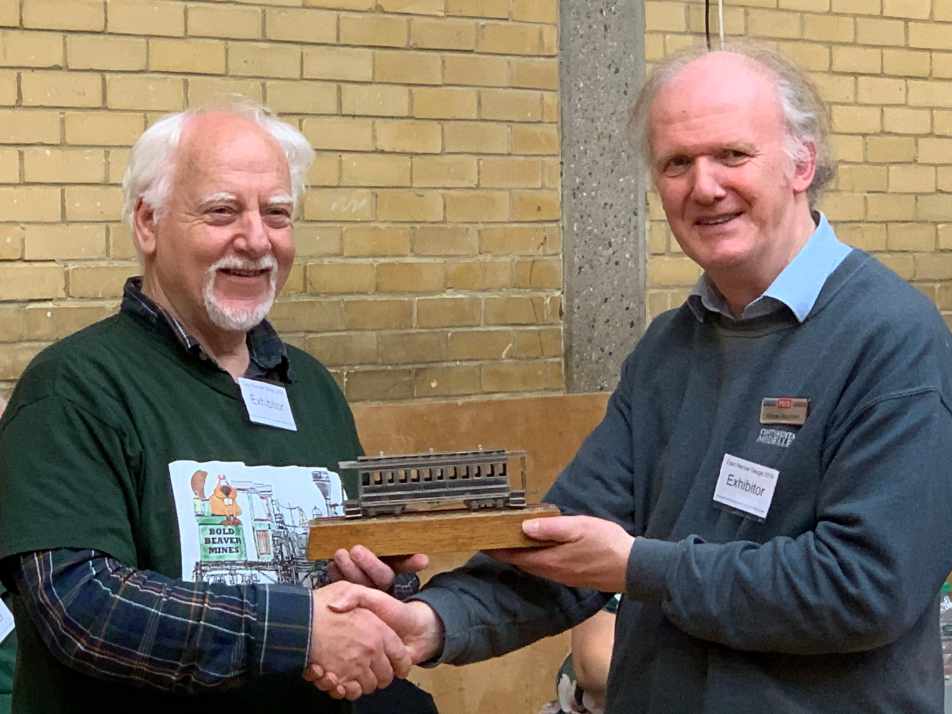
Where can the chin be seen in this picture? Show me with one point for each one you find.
(236, 315)
(720, 263)
(237, 318)
(724, 252)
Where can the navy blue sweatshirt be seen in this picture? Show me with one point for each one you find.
(827, 605)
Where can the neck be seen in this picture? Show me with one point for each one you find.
(228, 348)
(741, 285)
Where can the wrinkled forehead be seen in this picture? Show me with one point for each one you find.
(716, 83)
(217, 148)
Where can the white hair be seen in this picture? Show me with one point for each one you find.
(804, 112)
(151, 167)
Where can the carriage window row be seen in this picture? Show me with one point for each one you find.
(432, 473)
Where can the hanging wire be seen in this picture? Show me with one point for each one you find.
(707, 23)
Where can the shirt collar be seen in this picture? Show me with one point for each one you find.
(797, 286)
(268, 353)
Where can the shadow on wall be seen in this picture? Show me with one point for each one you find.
(550, 429)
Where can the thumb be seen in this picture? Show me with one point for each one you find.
(557, 529)
(408, 564)
(346, 601)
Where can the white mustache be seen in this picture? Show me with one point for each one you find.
(233, 262)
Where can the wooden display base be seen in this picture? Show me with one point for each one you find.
(428, 532)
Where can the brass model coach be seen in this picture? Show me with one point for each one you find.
(453, 479)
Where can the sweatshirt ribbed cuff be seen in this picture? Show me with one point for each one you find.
(648, 564)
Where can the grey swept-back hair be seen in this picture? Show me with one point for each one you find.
(804, 112)
(151, 167)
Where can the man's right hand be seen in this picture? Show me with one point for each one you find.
(415, 622)
(353, 651)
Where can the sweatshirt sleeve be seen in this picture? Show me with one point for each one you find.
(488, 609)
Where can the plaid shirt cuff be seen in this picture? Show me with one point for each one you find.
(282, 632)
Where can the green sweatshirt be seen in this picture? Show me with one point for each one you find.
(8, 655)
(88, 445)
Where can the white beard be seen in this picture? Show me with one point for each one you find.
(238, 319)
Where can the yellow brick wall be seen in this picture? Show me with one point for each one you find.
(429, 244)
(429, 254)
(885, 67)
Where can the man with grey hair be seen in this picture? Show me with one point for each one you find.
(769, 488)
(158, 469)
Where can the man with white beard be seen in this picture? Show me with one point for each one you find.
(157, 469)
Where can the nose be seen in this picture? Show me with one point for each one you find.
(253, 240)
(706, 187)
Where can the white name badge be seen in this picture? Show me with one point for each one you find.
(267, 404)
(6, 621)
(745, 486)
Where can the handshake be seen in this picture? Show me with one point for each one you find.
(361, 637)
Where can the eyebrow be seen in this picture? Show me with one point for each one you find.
(281, 199)
(660, 161)
(219, 196)
(692, 152)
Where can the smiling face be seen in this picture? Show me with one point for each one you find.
(223, 245)
(734, 199)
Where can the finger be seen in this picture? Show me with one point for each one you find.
(313, 672)
(349, 570)
(381, 669)
(334, 692)
(523, 557)
(379, 573)
(407, 563)
(537, 561)
(397, 654)
(327, 682)
(560, 529)
(331, 686)
(500, 552)
(367, 678)
(351, 691)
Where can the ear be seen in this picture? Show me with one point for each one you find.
(144, 225)
(804, 167)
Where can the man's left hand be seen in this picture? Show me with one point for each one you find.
(585, 552)
(359, 565)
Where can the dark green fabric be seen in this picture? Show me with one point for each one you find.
(85, 445)
(8, 655)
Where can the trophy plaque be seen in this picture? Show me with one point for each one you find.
(436, 502)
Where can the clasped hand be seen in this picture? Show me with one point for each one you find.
(361, 637)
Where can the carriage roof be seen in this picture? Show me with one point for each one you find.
(429, 460)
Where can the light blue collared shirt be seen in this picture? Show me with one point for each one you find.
(797, 286)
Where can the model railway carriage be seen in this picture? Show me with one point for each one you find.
(474, 479)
